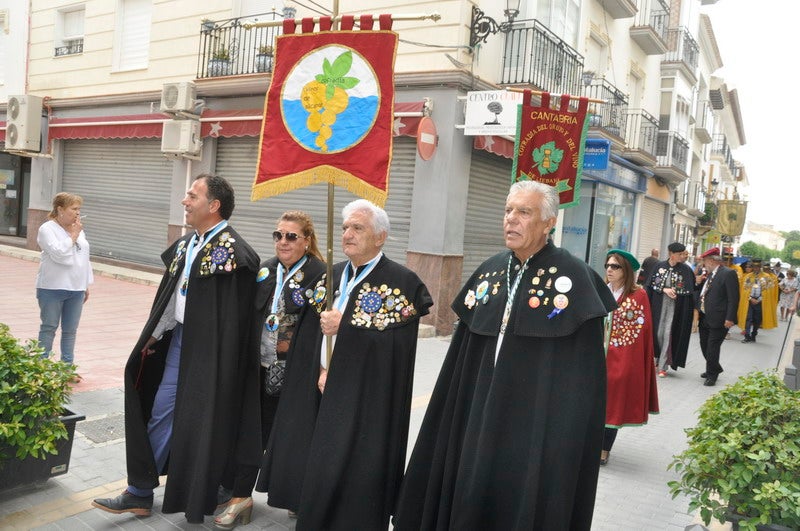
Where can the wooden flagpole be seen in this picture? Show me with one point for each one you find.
(329, 265)
(336, 18)
(540, 92)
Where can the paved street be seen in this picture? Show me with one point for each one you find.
(632, 491)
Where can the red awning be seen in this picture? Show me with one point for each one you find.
(495, 144)
(214, 123)
(123, 126)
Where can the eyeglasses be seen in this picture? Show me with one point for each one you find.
(290, 236)
(615, 267)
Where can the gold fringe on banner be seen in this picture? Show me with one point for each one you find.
(320, 174)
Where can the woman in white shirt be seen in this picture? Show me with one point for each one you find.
(64, 274)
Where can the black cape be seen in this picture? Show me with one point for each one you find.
(681, 331)
(218, 377)
(515, 445)
(337, 459)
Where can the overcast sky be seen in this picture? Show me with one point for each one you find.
(759, 43)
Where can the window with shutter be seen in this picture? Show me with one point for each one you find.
(132, 35)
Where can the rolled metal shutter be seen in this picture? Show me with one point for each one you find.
(255, 221)
(652, 227)
(125, 186)
(489, 180)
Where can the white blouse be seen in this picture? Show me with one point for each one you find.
(64, 264)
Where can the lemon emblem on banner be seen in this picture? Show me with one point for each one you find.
(331, 99)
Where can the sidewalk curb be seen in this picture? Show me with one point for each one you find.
(105, 270)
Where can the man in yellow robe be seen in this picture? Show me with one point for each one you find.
(757, 302)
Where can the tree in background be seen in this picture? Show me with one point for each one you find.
(754, 250)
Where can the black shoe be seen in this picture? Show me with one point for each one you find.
(704, 375)
(710, 382)
(126, 503)
(747, 340)
(223, 496)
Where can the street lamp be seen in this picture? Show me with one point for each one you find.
(482, 25)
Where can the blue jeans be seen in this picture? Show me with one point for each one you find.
(159, 427)
(59, 305)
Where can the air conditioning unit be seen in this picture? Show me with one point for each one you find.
(181, 137)
(24, 123)
(178, 97)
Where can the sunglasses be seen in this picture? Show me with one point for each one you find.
(615, 267)
(290, 236)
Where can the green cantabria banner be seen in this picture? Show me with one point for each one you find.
(549, 145)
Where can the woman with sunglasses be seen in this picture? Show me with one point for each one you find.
(280, 295)
(630, 368)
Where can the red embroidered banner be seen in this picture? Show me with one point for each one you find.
(328, 113)
(549, 145)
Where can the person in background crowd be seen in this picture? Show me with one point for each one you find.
(62, 284)
(788, 288)
(514, 427)
(280, 295)
(632, 390)
(191, 382)
(757, 302)
(338, 445)
(647, 267)
(671, 291)
(719, 299)
(777, 270)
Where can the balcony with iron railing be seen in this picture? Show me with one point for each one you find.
(641, 137)
(533, 55)
(70, 47)
(672, 154)
(721, 151)
(683, 54)
(649, 28)
(228, 49)
(607, 120)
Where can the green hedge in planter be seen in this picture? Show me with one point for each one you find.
(744, 454)
(33, 393)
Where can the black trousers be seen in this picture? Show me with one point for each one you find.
(710, 342)
(753, 322)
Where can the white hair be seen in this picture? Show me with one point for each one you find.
(379, 217)
(549, 203)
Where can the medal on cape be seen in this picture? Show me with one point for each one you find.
(262, 275)
(299, 276)
(184, 286)
(319, 294)
(297, 297)
(272, 322)
(371, 302)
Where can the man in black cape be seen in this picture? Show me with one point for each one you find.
(671, 289)
(337, 449)
(191, 386)
(512, 435)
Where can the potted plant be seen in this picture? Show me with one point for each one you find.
(207, 26)
(36, 430)
(220, 62)
(742, 462)
(264, 58)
